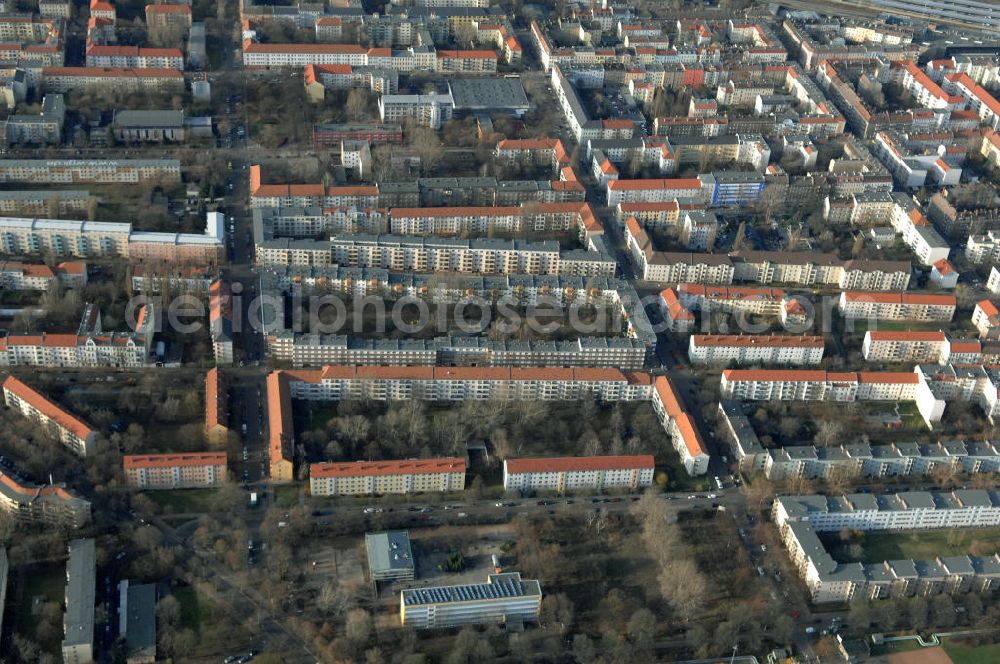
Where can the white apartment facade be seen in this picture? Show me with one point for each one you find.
(175, 471)
(562, 474)
(384, 477)
(755, 349)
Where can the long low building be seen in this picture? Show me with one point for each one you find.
(905, 346)
(755, 349)
(878, 461)
(321, 350)
(922, 307)
(761, 267)
(97, 171)
(336, 383)
(503, 599)
(68, 429)
(680, 426)
(355, 478)
(800, 519)
(64, 237)
(562, 474)
(80, 598)
(175, 471)
(41, 277)
(49, 504)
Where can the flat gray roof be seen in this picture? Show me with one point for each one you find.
(81, 571)
(498, 586)
(389, 551)
(165, 119)
(486, 93)
(140, 631)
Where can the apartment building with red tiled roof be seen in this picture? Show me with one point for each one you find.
(786, 349)
(175, 471)
(216, 408)
(50, 504)
(924, 307)
(673, 415)
(904, 346)
(70, 430)
(381, 477)
(586, 473)
(986, 319)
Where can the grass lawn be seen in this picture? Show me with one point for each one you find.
(286, 495)
(48, 582)
(926, 545)
(965, 654)
(183, 501)
(195, 611)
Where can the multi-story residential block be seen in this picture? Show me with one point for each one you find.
(149, 126)
(678, 317)
(897, 306)
(380, 477)
(430, 110)
(983, 248)
(993, 282)
(878, 461)
(45, 202)
(320, 350)
(216, 408)
(175, 471)
(55, 8)
(220, 319)
(807, 268)
(329, 135)
(534, 152)
(986, 319)
(562, 474)
(658, 190)
(755, 349)
(133, 57)
(336, 383)
(674, 418)
(976, 97)
(168, 23)
(44, 127)
(41, 277)
(60, 424)
(80, 598)
(503, 599)
(110, 79)
(90, 346)
(49, 504)
(904, 346)
(176, 280)
(98, 171)
(747, 449)
(801, 518)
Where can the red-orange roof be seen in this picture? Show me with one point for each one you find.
(988, 308)
(655, 183)
(944, 267)
(131, 461)
(578, 464)
(215, 397)
(369, 468)
(47, 408)
(900, 298)
(167, 9)
(769, 340)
